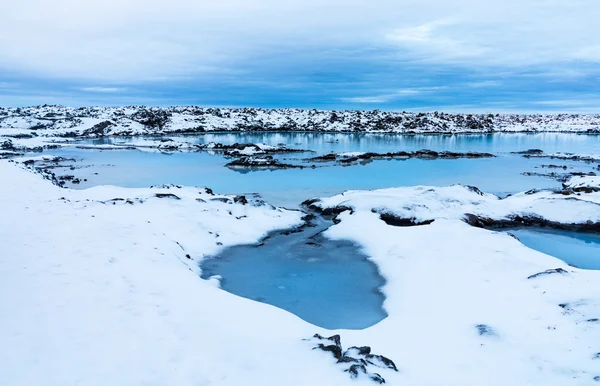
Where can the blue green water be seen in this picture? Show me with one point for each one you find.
(501, 175)
(581, 250)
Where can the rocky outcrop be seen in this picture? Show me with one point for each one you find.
(359, 359)
(346, 159)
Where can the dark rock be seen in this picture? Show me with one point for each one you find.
(240, 199)
(381, 361)
(484, 330)
(167, 195)
(221, 199)
(267, 162)
(364, 350)
(99, 129)
(334, 349)
(548, 272)
(392, 219)
(334, 338)
(356, 370)
(377, 378)
(529, 152)
(516, 221)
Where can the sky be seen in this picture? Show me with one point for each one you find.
(413, 55)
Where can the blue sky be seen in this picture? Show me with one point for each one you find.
(471, 56)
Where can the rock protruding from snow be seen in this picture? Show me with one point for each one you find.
(122, 121)
(360, 359)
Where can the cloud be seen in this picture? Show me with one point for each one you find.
(272, 52)
(103, 89)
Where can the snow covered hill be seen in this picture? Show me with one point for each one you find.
(133, 120)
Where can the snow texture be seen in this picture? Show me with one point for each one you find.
(97, 289)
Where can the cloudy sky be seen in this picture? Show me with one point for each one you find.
(450, 55)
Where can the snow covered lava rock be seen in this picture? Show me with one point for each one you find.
(359, 358)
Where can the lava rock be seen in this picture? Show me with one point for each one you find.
(548, 272)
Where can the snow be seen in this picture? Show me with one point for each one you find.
(426, 203)
(583, 182)
(66, 121)
(99, 291)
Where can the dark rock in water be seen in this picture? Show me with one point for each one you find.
(564, 167)
(167, 195)
(484, 330)
(478, 221)
(548, 272)
(516, 221)
(420, 154)
(392, 219)
(324, 158)
(529, 152)
(267, 162)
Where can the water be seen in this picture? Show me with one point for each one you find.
(328, 283)
(581, 250)
(501, 175)
(382, 143)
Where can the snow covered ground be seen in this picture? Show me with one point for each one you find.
(97, 289)
(60, 121)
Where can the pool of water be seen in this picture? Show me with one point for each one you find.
(328, 283)
(382, 143)
(501, 175)
(581, 250)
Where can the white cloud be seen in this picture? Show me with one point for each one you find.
(128, 41)
(391, 96)
(103, 89)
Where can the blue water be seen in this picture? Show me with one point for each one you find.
(382, 143)
(581, 250)
(328, 283)
(501, 175)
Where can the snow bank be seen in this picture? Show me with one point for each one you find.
(97, 289)
(423, 203)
